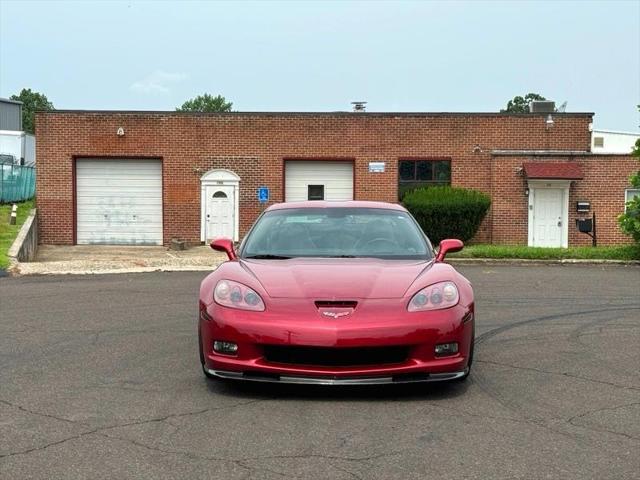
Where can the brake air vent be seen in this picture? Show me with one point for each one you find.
(336, 303)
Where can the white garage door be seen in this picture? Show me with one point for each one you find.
(318, 180)
(119, 201)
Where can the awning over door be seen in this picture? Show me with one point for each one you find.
(553, 171)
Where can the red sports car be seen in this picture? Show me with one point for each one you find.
(336, 293)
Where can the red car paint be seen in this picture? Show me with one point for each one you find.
(371, 311)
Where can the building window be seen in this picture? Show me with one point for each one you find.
(630, 194)
(315, 192)
(416, 173)
(598, 142)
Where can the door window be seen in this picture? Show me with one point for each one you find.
(315, 192)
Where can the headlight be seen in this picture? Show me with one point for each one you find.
(435, 297)
(236, 295)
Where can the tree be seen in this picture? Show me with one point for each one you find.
(630, 220)
(521, 104)
(206, 103)
(31, 101)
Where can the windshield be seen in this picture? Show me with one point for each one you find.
(336, 232)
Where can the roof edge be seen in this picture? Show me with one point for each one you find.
(539, 153)
(621, 132)
(336, 113)
(8, 100)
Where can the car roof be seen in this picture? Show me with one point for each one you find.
(326, 204)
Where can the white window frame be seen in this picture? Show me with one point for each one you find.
(626, 196)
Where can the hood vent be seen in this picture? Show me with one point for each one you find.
(336, 303)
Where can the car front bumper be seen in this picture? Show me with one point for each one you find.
(374, 324)
(322, 380)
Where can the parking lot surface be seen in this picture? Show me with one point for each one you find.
(99, 378)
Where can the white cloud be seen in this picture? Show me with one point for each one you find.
(157, 82)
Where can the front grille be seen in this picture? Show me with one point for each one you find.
(335, 357)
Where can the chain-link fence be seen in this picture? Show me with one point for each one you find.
(17, 183)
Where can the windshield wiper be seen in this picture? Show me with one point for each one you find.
(340, 256)
(267, 256)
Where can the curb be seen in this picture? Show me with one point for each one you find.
(15, 252)
(111, 271)
(526, 261)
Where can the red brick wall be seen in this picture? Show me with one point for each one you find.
(254, 146)
(605, 179)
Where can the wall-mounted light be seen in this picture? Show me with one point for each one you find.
(549, 122)
(120, 132)
(526, 192)
(477, 149)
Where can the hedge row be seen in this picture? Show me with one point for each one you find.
(447, 212)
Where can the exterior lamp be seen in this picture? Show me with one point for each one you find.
(549, 122)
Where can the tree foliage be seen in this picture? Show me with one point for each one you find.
(31, 102)
(447, 212)
(206, 103)
(521, 104)
(630, 220)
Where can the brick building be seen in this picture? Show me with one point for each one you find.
(148, 177)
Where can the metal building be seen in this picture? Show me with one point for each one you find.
(10, 115)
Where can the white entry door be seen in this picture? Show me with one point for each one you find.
(220, 211)
(548, 217)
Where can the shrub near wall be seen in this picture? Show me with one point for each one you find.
(448, 212)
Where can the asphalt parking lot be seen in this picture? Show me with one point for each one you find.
(99, 378)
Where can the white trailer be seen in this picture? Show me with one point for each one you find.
(20, 145)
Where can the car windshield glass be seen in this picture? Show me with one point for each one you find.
(336, 232)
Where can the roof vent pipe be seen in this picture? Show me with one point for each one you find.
(359, 106)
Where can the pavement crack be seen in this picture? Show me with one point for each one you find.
(99, 430)
(178, 415)
(572, 420)
(564, 374)
(323, 457)
(40, 414)
(348, 472)
(157, 449)
(52, 444)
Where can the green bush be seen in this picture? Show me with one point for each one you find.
(448, 212)
(630, 220)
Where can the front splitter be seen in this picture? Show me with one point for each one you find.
(295, 379)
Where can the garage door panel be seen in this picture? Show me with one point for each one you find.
(119, 201)
(96, 220)
(336, 176)
(116, 185)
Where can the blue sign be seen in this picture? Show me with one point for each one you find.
(263, 194)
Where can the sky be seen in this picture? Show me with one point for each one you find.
(319, 56)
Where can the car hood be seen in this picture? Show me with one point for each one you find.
(329, 279)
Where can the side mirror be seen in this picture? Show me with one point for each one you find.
(449, 245)
(224, 245)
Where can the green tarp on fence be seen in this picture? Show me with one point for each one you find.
(17, 183)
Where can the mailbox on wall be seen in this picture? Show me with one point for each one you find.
(583, 207)
(585, 225)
